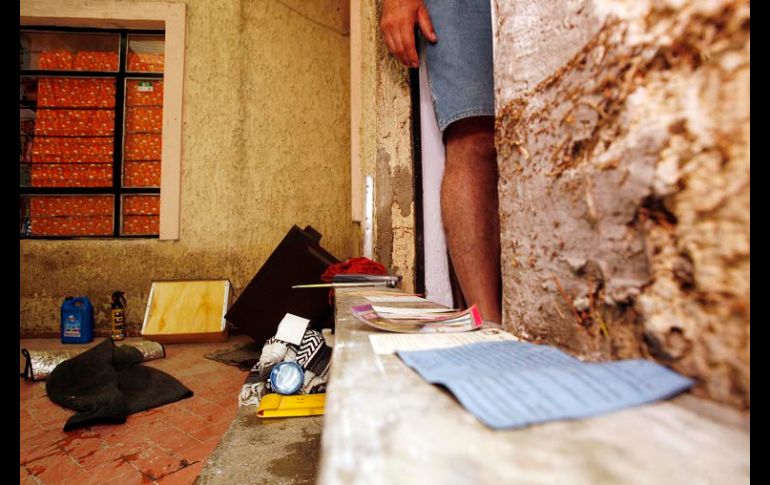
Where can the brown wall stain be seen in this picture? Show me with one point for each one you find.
(386, 147)
(383, 208)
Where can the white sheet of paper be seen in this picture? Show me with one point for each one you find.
(393, 299)
(292, 329)
(514, 384)
(411, 311)
(388, 343)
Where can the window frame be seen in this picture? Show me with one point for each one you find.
(121, 76)
(140, 15)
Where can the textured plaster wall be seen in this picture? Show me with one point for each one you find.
(265, 145)
(623, 138)
(386, 147)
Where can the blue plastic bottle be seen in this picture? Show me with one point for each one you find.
(77, 320)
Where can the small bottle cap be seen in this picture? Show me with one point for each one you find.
(287, 378)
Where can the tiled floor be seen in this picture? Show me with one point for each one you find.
(164, 445)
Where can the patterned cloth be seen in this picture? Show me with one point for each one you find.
(312, 354)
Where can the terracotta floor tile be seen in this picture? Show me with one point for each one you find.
(41, 438)
(108, 455)
(28, 425)
(65, 440)
(211, 412)
(185, 476)
(194, 371)
(141, 428)
(183, 405)
(197, 452)
(154, 462)
(218, 393)
(42, 402)
(55, 469)
(126, 445)
(213, 431)
(164, 443)
(39, 452)
(187, 421)
(132, 478)
(29, 429)
(50, 412)
(230, 401)
(87, 450)
(113, 470)
(170, 410)
(143, 419)
(171, 439)
(29, 391)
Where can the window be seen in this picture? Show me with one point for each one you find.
(91, 116)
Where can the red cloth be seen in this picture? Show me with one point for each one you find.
(352, 266)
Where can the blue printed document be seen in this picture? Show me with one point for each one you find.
(513, 384)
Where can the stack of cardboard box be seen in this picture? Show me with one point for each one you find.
(141, 214)
(73, 145)
(144, 126)
(145, 62)
(71, 215)
(75, 93)
(64, 60)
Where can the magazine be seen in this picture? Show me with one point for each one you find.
(418, 320)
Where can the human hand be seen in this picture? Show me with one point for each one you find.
(397, 26)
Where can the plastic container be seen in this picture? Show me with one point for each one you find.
(77, 320)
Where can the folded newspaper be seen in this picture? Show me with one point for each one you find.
(418, 320)
(511, 384)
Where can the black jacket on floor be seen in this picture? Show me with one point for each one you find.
(105, 384)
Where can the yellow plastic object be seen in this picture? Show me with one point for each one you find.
(278, 406)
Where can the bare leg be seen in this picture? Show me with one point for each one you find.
(469, 211)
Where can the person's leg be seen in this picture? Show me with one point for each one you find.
(469, 209)
(460, 74)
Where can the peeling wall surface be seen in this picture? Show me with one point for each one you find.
(266, 144)
(386, 150)
(623, 142)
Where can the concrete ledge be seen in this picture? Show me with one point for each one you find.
(385, 425)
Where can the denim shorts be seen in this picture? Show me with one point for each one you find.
(460, 63)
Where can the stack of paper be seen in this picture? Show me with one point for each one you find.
(389, 343)
(418, 320)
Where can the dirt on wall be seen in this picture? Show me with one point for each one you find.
(386, 150)
(624, 182)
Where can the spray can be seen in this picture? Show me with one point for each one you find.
(118, 307)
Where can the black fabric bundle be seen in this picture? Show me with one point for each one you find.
(105, 384)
